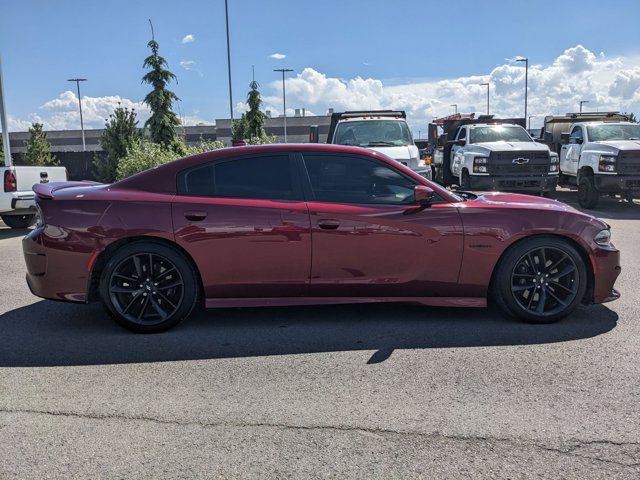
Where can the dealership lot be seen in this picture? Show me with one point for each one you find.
(356, 391)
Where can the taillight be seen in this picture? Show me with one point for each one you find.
(10, 183)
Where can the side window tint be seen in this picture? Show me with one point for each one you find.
(267, 177)
(347, 179)
(462, 134)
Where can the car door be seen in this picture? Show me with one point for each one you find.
(368, 237)
(457, 153)
(570, 152)
(244, 222)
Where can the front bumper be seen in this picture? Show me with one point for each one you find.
(617, 183)
(606, 268)
(515, 183)
(53, 271)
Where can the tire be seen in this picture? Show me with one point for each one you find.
(167, 292)
(465, 181)
(19, 221)
(588, 195)
(518, 290)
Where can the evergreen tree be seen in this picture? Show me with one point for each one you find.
(255, 117)
(119, 135)
(38, 148)
(163, 120)
(240, 128)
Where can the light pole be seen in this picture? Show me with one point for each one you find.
(78, 80)
(454, 105)
(486, 85)
(284, 99)
(530, 117)
(226, 14)
(582, 102)
(5, 125)
(526, 81)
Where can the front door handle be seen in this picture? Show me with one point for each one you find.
(328, 224)
(195, 215)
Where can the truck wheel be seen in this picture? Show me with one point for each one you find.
(465, 181)
(18, 221)
(540, 280)
(588, 195)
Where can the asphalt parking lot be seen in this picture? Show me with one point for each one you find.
(387, 391)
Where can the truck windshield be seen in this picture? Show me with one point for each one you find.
(602, 133)
(373, 133)
(498, 133)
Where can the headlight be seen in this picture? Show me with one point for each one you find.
(480, 160)
(553, 168)
(607, 163)
(603, 238)
(554, 158)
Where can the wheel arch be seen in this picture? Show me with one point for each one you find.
(588, 296)
(104, 256)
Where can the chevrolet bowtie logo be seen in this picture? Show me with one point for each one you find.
(520, 161)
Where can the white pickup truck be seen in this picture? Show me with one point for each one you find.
(17, 204)
(494, 154)
(601, 157)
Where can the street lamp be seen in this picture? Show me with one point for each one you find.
(486, 85)
(78, 80)
(526, 81)
(226, 13)
(454, 105)
(284, 98)
(582, 102)
(530, 117)
(5, 125)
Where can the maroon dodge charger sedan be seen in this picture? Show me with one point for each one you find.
(309, 224)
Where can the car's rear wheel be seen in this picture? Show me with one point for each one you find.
(540, 280)
(148, 287)
(18, 221)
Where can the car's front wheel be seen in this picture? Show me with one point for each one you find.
(148, 287)
(540, 280)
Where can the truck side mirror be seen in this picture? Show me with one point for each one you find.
(564, 138)
(579, 140)
(313, 133)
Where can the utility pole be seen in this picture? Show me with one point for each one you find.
(526, 81)
(486, 85)
(5, 125)
(454, 105)
(284, 99)
(226, 13)
(78, 80)
(530, 117)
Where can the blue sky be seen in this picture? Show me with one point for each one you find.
(396, 43)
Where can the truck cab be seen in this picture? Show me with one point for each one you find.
(385, 131)
(601, 157)
(495, 154)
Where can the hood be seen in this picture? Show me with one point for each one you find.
(621, 144)
(400, 153)
(512, 146)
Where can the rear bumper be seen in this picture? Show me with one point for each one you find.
(517, 183)
(606, 268)
(18, 203)
(52, 271)
(617, 183)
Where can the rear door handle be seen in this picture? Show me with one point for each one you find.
(328, 224)
(195, 215)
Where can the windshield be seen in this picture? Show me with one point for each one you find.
(373, 133)
(498, 133)
(601, 133)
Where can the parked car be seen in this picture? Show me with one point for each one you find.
(309, 224)
(17, 204)
(492, 154)
(384, 131)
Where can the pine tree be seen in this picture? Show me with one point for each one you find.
(255, 117)
(119, 135)
(240, 128)
(163, 120)
(38, 148)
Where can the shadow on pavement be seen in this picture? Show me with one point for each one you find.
(608, 208)
(57, 334)
(6, 232)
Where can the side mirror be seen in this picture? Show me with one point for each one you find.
(423, 195)
(314, 131)
(460, 142)
(564, 138)
(579, 140)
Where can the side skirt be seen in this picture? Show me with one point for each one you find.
(465, 302)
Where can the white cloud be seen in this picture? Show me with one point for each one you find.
(278, 56)
(187, 64)
(576, 74)
(189, 38)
